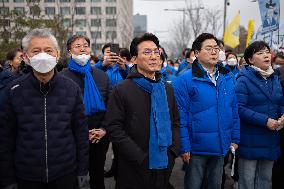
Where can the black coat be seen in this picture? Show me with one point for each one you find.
(43, 130)
(103, 84)
(128, 126)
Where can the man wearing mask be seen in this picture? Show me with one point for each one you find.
(95, 87)
(14, 69)
(125, 54)
(184, 61)
(231, 63)
(142, 121)
(43, 129)
(222, 52)
(190, 57)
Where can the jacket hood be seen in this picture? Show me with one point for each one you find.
(135, 74)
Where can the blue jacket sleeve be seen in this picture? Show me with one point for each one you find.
(248, 115)
(183, 99)
(81, 135)
(124, 73)
(236, 121)
(100, 66)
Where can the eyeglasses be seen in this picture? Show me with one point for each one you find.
(85, 46)
(211, 49)
(149, 52)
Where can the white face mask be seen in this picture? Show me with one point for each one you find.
(42, 62)
(176, 68)
(193, 58)
(232, 62)
(81, 59)
(165, 64)
(130, 65)
(222, 56)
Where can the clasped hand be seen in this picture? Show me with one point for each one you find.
(95, 135)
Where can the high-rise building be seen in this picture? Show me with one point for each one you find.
(101, 20)
(140, 24)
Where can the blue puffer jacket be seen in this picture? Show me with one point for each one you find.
(234, 69)
(115, 75)
(169, 73)
(183, 65)
(259, 100)
(209, 120)
(43, 131)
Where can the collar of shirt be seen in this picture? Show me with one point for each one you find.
(212, 76)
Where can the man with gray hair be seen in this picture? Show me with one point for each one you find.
(43, 128)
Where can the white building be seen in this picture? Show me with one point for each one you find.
(101, 20)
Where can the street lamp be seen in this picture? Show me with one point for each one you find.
(226, 3)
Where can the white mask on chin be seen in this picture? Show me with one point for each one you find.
(42, 62)
(193, 58)
(232, 62)
(222, 56)
(81, 59)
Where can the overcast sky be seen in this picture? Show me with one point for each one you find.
(160, 21)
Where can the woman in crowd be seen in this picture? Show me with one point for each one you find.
(232, 63)
(261, 113)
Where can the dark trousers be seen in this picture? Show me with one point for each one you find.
(97, 162)
(236, 171)
(278, 168)
(68, 181)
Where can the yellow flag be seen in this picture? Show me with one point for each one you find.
(232, 32)
(250, 30)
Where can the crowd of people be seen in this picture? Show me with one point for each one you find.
(209, 109)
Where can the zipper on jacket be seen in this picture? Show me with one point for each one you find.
(45, 137)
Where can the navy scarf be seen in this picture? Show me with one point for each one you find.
(160, 123)
(92, 99)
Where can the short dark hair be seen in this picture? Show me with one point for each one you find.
(253, 48)
(164, 52)
(229, 53)
(197, 44)
(2, 63)
(124, 52)
(105, 46)
(171, 62)
(163, 57)
(137, 40)
(12, 54)
(94, 58)
(185, 50)
(74, 38)
(220, 42)
(187, 54)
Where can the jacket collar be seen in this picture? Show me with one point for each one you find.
(198, 72)
(135, 74)
(49, 85)
(256, 78)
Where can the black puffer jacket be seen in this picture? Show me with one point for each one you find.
(128, 126)
(43, 130)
